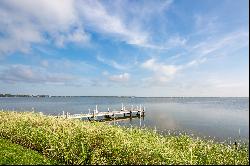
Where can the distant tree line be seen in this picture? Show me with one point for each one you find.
(25, 95)
(21, 95)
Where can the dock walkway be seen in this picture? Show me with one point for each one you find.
(139, 110)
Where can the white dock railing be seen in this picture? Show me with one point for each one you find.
(139, 110)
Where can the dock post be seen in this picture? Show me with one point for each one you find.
(140, 119)
(96, 109)
(143, 113)
(114, 119)
(107, 116)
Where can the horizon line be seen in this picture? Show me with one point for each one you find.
(42, 95)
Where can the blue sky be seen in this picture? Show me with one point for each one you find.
(139, 48)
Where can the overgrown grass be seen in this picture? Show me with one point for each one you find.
(78, 142)
(13, 154)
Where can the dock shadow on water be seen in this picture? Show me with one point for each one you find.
(112, 120)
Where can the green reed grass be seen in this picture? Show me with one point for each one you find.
(77, 142)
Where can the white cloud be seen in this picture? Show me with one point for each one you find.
(60, 13)
(205, 24)
(18, 37)
(194, 62)
(167, 70)
(226, 83)
(162, 72)
(137, 14)
(27, 22)
(44, 63)
(96, 16)
(214, 38)
(231, 41)
(66, 65)
(61, 71)
(28, 74)
(176, 41)
(112, 63)
(105, 73)
(120, 78)
(78, 36)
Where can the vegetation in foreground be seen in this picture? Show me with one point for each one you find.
(77, 142)
(13, 154)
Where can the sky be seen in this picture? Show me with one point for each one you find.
(125, 48)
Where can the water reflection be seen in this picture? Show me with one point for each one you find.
(203, 121)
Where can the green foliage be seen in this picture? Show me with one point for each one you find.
(13, 154)
(77, 142)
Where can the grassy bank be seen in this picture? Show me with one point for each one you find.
(13, 154)
(77, 142)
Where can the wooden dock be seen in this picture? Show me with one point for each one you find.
(125, 112)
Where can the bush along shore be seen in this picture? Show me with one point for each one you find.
(77, 142)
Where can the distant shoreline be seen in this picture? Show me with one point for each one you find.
(48, 96)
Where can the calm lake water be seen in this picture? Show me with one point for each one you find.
(219, 118)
